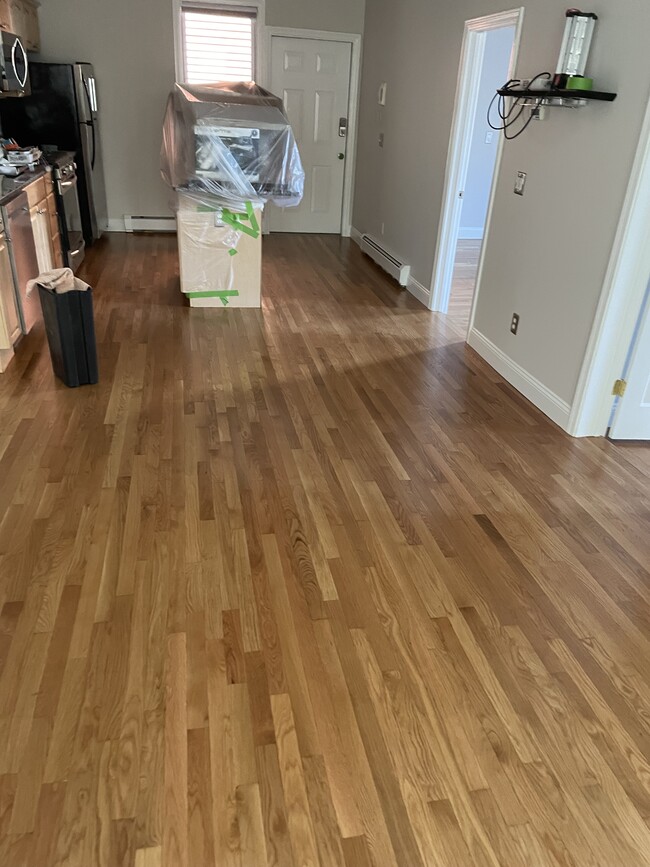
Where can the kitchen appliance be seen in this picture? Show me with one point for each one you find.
(232, 141)
(24, 262)
(14, 65)
(574, 53)
(66, 184)
(62, 114)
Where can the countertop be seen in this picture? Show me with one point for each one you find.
(10, 187)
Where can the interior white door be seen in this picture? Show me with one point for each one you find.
(313, 78)
(632, 416)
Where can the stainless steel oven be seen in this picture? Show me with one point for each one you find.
(64, 172)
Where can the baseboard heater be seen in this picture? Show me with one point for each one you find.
(149, 224)
(391, 264)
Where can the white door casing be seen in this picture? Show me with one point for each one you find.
(313, 78)
(471, 63)
(632, 413)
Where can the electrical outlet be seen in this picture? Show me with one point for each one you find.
(514, 325)
(520, 183)
(381, 139)
(489, 137)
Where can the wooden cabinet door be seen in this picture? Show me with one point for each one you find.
(42, 236)
(17, 18)
(5, 15)
(31, 33)
(10, 329)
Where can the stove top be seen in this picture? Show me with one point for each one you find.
(59, 159)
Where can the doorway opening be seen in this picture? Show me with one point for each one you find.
(488, 58)
(480, 173)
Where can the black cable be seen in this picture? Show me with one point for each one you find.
(506, 117)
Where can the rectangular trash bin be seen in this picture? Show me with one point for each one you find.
(70, 328)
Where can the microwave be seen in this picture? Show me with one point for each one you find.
(222, 149)
(14, 66)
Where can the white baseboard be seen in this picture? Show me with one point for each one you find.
(537, 393)
(116, 225)
(471, 233)
(419, 291)
(129, 223)
(414, 287)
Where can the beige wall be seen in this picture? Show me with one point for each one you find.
(547, 252)
(343, 16)
(131, 45)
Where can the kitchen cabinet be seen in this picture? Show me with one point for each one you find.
(21, 17)
(45, 224)
(10, 329)
(42, 241)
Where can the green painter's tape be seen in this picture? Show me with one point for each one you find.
(226, 293)
(236, 221)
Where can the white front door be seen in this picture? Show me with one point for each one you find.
(632, 417)
(313, 78)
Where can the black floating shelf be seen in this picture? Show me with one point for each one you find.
(596, 95)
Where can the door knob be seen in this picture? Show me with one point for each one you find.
(341, 156)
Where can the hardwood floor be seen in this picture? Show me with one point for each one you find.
(312, 586)
(464, 281)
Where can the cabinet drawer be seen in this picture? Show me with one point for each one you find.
(36, 193)
(49, 184)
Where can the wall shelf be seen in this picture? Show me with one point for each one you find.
(568, 98)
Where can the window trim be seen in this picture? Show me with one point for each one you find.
(256, 7)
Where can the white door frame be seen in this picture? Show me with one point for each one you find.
(620, 303)
(353, 107)
(460, 141)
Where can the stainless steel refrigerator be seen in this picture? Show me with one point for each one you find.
(63, 114)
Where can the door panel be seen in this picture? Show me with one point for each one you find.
(10, 328)
(313, 78)
(632, 417)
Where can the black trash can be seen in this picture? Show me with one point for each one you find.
(70, 327)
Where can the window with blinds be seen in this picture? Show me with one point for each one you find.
(218, 44)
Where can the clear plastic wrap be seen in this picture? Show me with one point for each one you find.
(230, 144)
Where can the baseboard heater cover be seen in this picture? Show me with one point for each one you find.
(386, 260)
(149, 224)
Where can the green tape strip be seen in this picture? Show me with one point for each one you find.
(236, 221)
(226, 293)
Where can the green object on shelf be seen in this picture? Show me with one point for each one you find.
(579, 82)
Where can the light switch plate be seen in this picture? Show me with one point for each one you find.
(520, 183)
(382, 93)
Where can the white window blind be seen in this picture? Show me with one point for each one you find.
(217, 45)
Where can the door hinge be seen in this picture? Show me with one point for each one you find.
(619, 388)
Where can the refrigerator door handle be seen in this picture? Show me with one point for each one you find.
(22, 80)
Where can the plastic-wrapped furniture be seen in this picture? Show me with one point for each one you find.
(228, 149)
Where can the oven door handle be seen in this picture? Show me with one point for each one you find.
(66, 184)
